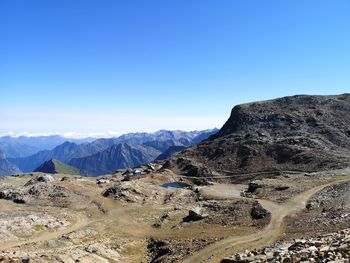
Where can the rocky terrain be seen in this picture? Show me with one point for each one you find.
(60, 218)
(298, 133)
(327, 211)
(332, 247)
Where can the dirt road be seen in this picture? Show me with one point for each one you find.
(80, 222)
(103, 213)
(229, 246)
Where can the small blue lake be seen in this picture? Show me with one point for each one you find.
(175, 185)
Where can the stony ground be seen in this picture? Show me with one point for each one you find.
(332, 247)
(46, 218)
(327, 211)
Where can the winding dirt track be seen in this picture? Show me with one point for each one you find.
(110, 214)
(229, 246)
(81, 222)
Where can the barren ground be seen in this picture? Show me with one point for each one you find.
(71, 221)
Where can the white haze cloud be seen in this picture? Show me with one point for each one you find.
(72, 134)
(82, 125)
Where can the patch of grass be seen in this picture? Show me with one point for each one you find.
(65, 168)
(39, 227)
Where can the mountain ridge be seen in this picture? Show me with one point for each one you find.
(54, 166)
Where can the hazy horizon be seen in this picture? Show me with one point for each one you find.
(77, 135)
(84, 67)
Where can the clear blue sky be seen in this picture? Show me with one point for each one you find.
(98, 66)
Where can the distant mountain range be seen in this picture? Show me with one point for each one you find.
(63, 152)
(22, 146)
(101, 155)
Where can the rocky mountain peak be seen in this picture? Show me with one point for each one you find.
(295, 114)
(292, 133)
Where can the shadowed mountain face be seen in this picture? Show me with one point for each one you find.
(291, 133)
(7, 168)
(172, 150)
(116, 157)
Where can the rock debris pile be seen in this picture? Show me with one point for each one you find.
(333, 247)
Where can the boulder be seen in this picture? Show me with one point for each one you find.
(252, 186)
(40, 179)
(53, 191)
(258, 212)
(45, 178)
(114, 191)
(102, 181)
(10, 194)
(195, 215)
(299, 245)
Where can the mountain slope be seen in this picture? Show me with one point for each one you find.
(116, 157)
(291, 133)
(6, 167)
(172, 150)
(55, 166)
(162, 146)
(203, 136)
